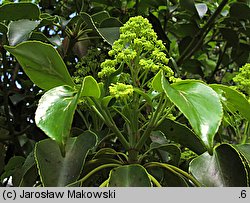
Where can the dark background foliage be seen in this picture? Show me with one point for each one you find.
(207, 40)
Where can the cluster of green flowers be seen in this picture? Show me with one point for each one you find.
(138, 47)
(89, 64)
(121, 91)
(242, 80)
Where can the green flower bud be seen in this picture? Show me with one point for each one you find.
(121, 91)
(139, 48)
(105, 72)
(242, 80)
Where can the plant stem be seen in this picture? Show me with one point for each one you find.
(151, 124)
(152, 178)
(93, 172)
(105, 183)
(83, 118)
(107, 119)
(175, 170)
(164, 116)
(133, 156)
(219, 61)
(246, 134)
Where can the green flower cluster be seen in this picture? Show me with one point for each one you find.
(138, 47)
(88, 65)
(242, 80)
(108, 67)
(121, 91)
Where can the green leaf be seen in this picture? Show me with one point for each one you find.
(100, 16)
(169, 178)
(168, 152)
(55, 170)
(110, 30)
(181, 134)
(240, 10)
(174, 179)
(199, 103)
(55, 111)
(38, 36)
(133, 175)
(4, 134)
(188, 5)
(144, 95)
(233, 100)
(3, 28)
(90, 88)
(42, 63)
(156, 82)
(244, 149)
(193, 66)
(26, 175)
(107, 101)
(201, 9)
(223, 169)
(20, 30)
(17, 11)
(13, 164)
(47, 19)
(229, 35)
(186, 29)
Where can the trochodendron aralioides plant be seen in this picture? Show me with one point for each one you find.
(145, 114)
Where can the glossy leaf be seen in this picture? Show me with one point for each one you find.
(156, 82)
(168, 152)
(90, 87)
(220, 169)
(55, 170)
(181, 134)
(233, 100)
(174, 180)
(201, 9)
(26, 175)
(110, 30)
(158, 137)
(188, 5)
(42, 63)
(100, 16)
(170, 178)
(107, 101)
(55, 111)
(38, 36)
(245, 150)
(20, 30)
(198, 102)
(17, 11)
(133, 175)
(46, 19)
